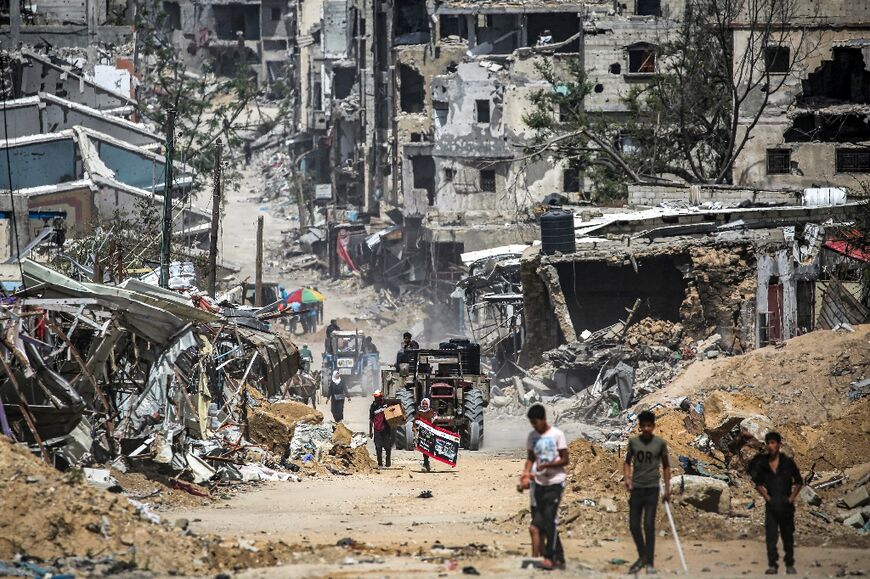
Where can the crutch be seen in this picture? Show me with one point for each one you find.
(676, 536)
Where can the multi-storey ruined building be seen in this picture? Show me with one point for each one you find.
(814, 131)
(419, 106)
(230, 34)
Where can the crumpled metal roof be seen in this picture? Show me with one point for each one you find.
(155, 315)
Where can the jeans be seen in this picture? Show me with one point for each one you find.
(642, 504)
(383, 442)
(779, 520)
(545, 518)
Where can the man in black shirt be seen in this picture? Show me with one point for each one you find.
(779, 481)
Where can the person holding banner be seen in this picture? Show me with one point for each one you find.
(546, 462)
(427, 413)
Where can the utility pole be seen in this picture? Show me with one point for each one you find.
(215, 220)
(166, 241)
(258, 287)
(15, 22)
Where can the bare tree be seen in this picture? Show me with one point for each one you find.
(716, 72)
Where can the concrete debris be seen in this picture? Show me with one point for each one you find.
(858, 497)
(703, 492)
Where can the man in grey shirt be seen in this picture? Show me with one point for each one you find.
(641, 472)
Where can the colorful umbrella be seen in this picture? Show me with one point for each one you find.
(305, 295)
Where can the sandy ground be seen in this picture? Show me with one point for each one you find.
(383, 510)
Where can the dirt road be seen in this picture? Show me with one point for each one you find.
(404, 534)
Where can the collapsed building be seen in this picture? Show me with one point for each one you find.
(418, 108)
(730, 279)
(229, 35)
(81, 165)
(95, 369)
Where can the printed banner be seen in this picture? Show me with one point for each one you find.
(437, 443)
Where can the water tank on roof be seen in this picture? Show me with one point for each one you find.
(557, 231)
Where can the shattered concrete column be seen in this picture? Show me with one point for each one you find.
(551, 280)
(545, 312)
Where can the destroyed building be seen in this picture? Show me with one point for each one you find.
(418, 107)
(61, 168)
(743, 278)
(814, 130)
(229, 35)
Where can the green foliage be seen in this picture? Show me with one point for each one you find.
(206, 107)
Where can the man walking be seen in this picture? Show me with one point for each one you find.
(307, 358)
(379, 428)
(548, 456)
(779, 481)
(641, 474)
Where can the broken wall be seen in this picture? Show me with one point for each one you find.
(36, 75)
(708, 289)
(810, 120)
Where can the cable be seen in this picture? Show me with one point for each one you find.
(3, 62)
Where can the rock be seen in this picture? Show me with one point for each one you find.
(182, 524)
(809, 496)
(33, 478)
(856, 521)
(755, 427)
(843, 515)
(857, 498)
(724, 411)
(606, 505)
(126, 540)
(273, 425)
(706, 493)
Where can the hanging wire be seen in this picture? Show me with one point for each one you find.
(4, 61)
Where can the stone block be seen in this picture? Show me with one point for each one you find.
(703, 492)
(809, 496)
(857, 498)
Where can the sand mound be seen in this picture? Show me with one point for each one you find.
(272, 424)
(51, 514)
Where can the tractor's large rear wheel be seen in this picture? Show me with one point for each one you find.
(404, 435)
(472, 435)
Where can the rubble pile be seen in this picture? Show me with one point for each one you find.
(714, 415)
(272, 424)
(652, 332)
(163, 398)
(49, 514)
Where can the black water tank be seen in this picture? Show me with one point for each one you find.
(469, 355)
(557, 231)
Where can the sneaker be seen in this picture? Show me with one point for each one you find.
(650, 570)
(635, 567)
(772, 571)
(789, 570)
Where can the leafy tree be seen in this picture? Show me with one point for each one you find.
(206, 107)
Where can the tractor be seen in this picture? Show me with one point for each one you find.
(359, 368)
(450, 377)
